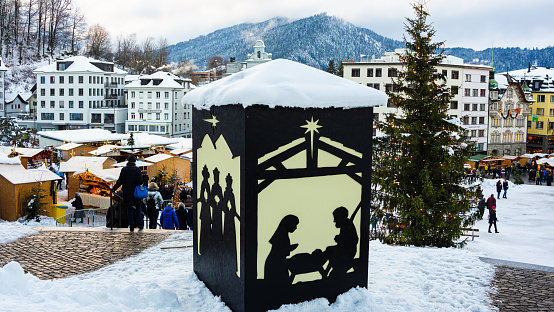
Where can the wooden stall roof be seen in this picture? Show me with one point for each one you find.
(104, 149)
(11, 167)
(81, 163)
(107, 175)
(180, 151)
(478, 157)
(28, 152)
(157, 158)
(68, 146)
(29, 176)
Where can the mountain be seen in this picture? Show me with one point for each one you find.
(317, 39)
(313, 41)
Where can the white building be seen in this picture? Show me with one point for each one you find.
(3, 70)
(470, 105)
(154, 105)
(80, 93)
(258, 57)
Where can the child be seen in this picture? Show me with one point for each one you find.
(492, 219)
(169, 219)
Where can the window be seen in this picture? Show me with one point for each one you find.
(518, 137)
(481, 120)
(475, 107)
(166, 116)
(376, 86)
(467, 92)
(158, 105)
(162, 128)
(70, 104)
(392, 72)
(473, 133)
(445, 73)
(473, 120)
(149, 116)
(552, 112)
(508, 122)
(355, 72)
(541, 98)
(481, 146)
(81, 92)
(52, 104)
(131, 127)
(455, 74)
(141, 105)
(520, 122)
(47, 116)
(42, 92)
(149, 105)
(42, 79)
(507, 137)
(468, 78)
(52, 92)
(370, 72)
(81, 104)
(550, 125)
(496, 122)
(149, 94)
(388, 87)
(483, 92)
(132, 104)
(152, 128)
(142, 127)
(467, 107)
(540, 111)
(132, 115)
(483, 78)
(61, 104)
(42, 104)
(70, 91)
(454, 105)
(166, 95)
(75, 116)
(475, 92)
(81, 79)
(539, 125)
(481, 133)
(141, 94)
(454, 89)
(52, 79)
(482, 107)
(378, 72)
(389, 103)
(61, 92)
(61, 116)
(61, 81)
(529, 124)
(132, 94)
(552, 99)
(141, 116)
(157, 116)
(70, 79)
(158, 95)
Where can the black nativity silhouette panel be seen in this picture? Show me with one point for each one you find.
(218, 216)
(309, 220)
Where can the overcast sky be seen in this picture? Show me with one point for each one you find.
(476, 24)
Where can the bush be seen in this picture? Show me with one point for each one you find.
(35, 204)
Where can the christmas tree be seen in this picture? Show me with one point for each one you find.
(421, 191)
(131, 140)
(35, 205)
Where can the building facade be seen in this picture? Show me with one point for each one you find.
(81, 93)
(468, 85)
(3, 70)
(154, 105)
(258, 57)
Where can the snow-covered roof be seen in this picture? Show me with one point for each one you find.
(83, 135)
(103, 149)
(11, 167)
(180, 151)
(168, 80)
(108, 175)
(11, 96)
(29, 176)
(138, 163)
(5, 160)
(79, 64)
(143, 140)
(68, 146)
(78, 163)
(27, 152)
(157, 158)
(182, 143)
(285, 83)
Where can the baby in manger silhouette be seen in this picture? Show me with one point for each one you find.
(340, 257)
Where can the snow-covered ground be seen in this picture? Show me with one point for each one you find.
(400, 278)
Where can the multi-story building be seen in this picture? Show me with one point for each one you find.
(468, 85)
(508, 119)
(258, 57)
(80, 92)
(540, 121)
(3, 70)
(154, 103)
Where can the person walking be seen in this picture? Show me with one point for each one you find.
(505, 188)
(498, 188)
(492, 219)
(168, 219)
(78, 204)
(154, 203)
(538, 178)
(129, 178)
(491, 202)
(182, 216)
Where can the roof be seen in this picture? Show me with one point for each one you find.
(103, 149)
(10, 97)
(157, 158)
(79, 64)
(11, 167)
(68, 146)
(78, 163)
(285, 83)
(27, 152)
(83, 135)
(478, 157)
(182, 143)
(108, 175)
(29, 176)
(168, 80)
(180, 151)
(138, 163)
(144, 140)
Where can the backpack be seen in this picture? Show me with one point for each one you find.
(151, 204)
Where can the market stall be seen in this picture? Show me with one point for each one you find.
(95, 184)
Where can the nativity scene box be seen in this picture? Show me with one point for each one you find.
(282, 175)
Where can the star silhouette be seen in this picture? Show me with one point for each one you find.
(213, 121)
(311, 126)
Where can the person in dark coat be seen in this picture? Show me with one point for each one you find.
(169, 219)
(190, 212)
(78, 204)
(129, 178)
(498, 188)
(491, 202)
(492, 219)
(505, 188)
(182, 216)
(155, 198)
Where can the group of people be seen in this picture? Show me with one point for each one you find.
(502, 186)
(131, 177)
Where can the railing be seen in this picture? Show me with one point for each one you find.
(90, 217)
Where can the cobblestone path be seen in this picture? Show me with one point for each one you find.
(57, 254)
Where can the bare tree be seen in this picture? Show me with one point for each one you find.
(217, 63)
(162, 53)
(77, 29)
(184, 68)
(98, 42)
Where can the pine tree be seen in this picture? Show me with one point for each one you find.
(419, 161)
(131, 140)
(340, 70)
(331, 67)
(34, 204)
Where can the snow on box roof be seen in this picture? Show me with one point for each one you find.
(168, 81)
(68, 146)
(157, 158)
(108, 175)
(143, 140)
(103, 149)
(182, 143)
(285, 83)
(180, 151)
(83, 135)
(77, 163)
(29, 176)
(80, 64)
(27, 152)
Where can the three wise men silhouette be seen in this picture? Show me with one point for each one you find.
(217, 217)
(340, 257)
